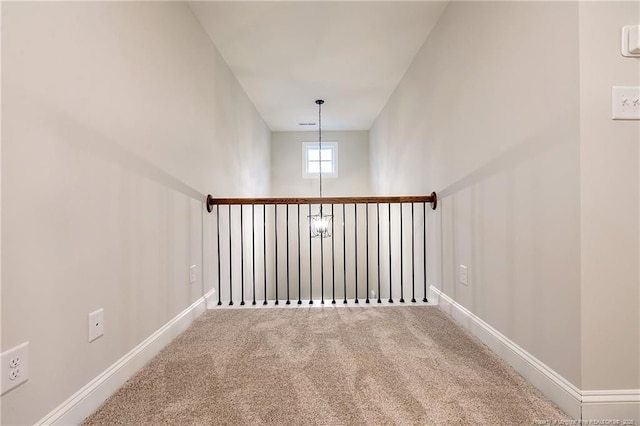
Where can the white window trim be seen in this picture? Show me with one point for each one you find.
(306, 146)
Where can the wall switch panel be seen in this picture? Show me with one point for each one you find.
(625, 103)
(96, 324)
(15, 367)
(631, 41)
(193, 277)
(464, 275)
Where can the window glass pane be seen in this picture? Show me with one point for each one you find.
(316, 159)
(313, 154)
(314, 167)
(327, 154)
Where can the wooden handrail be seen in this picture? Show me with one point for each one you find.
(433, 199)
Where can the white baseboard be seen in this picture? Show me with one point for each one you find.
(559, 390)
(611, 396)
(621, 406)
(84, 402)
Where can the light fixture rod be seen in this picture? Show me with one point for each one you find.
(319, 102)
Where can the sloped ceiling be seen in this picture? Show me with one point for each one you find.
(288, 54)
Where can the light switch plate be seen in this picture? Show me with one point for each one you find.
(625, 103)
(630, 41)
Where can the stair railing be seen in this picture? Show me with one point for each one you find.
(370, 263)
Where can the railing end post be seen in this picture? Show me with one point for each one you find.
(209, 203)
(434, 200)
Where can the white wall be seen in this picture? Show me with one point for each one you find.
(0, 206)
(117, 119)
(487, 116)
(609, 204)
(506, 114)
(353, 165)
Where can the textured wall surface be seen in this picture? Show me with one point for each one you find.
(117, 118)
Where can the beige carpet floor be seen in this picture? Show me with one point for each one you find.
(326, 366)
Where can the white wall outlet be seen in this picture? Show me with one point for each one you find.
(193, 276)
(15, 367)
(625, 103)
(96, 324)
(464, 275)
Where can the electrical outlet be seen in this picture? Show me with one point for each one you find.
(193, 277)
(96, 324)
(15, 373)
(464, 276)
(15, 362)
(15, 367)
(625, 103)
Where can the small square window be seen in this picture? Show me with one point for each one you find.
(315, 159)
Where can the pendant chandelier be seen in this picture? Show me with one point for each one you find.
(320, 224)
